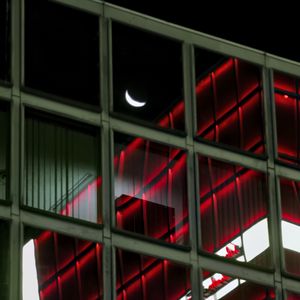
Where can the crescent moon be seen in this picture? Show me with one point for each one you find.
(133, 102)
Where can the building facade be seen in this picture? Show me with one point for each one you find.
(143, 160)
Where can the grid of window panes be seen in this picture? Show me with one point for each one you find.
(164, 189)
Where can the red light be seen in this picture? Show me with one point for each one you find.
(215, 283)
(286, 96)
(232, 252)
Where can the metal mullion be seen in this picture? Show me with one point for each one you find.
(61, 109)
(274, 197)
(16, 259)
(291, 284)
(269, 109)
(109, 274)
(184, 34)
(282, 64)
(114, 273)
(286, 172)
(4, 211)
(16, 228)
(216, 152)
(236, 270)
(190, 125)
(78, 230)
(89, 6)
(279, 233)
(150, 248)
(196, 272)
(5, 93)
(155, 135)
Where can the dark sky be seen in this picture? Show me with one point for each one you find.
(274, 29)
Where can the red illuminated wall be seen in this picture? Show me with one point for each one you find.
(143, 277)
(68, 268)
(229, 111)
(287, 117)
(232, 200)
(290, 212)
(151, 181)
(230, 108)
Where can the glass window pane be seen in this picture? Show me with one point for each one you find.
(4, 138)
(150, 189)
(141, 277)
(287, 117)
(292, 296)
(62, 51)
(62, 167)
(147, 77)
(220, 286)
(57, 266)
(5, 40)
(4, 260)
(290, 224)
(234, 212)
(229, 102)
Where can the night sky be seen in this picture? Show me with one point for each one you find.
(274, 29)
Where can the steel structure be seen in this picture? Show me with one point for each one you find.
(18, 215)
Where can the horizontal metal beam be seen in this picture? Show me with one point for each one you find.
(5, 211)
(61, 109)
(230, 156)
(5, 93)
(70, 228)
(291, 284)
(93, 7)
(184, 34)
(236, 270)
(156, 135)
(130, 243)
(282, 64)
(287, 172)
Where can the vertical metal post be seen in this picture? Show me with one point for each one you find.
(105, 71)
(274, 213)
(188, 76)
(15, 230)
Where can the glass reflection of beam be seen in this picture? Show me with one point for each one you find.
(256, 241)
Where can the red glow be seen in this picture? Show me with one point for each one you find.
(158, 182)
(224, 113)
(216, 283)
(232, 252)
(293, 219)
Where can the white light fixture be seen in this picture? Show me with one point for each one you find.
(256, 239)
(133, 102)
(29, 274)
(290, 236)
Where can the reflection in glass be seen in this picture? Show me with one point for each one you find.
(150, 189)
(292, 296)
(56, 266)
(141, 277)
(290, 224)
(147, 77)
(4, 131)
(234, 212)
(220, 286)
(287, 117)
(61, 168)
(229, 102)
(62, 58)
(4, 260)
